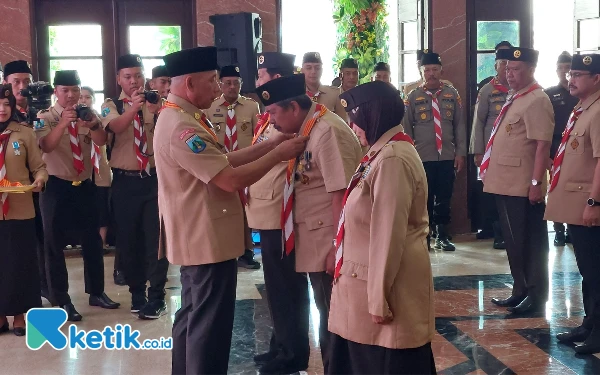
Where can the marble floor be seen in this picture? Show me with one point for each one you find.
(473, 336)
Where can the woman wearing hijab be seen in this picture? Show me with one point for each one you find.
(20, 156)
(381, 316)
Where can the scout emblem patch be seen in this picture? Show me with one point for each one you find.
(423, 116)
(16, 148)
(196, 144)
(244, 127)
(517, 54)
(38, 125)
(105, 111)
(498, 107)
(587, 60)
(344, 103)
(261, 59)
(266, 95)
(575, 144)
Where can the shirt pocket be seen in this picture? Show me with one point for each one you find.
(509, 161)
(576, 142)
(355, 270)
(317, 222)
(244, 123)
(447, 111)
(582, 187)
(262, 194)
(511, 123)
(422, 114)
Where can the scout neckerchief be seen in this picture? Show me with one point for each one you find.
(231, 142)
(287, 212)
(364, 163)
(261, 126)
(560, 154)
(76, 148)
(3, 181)
(437, 119)
(140, 141)
(498, 86)
(313, 97)
(96, 158)
(488, 149)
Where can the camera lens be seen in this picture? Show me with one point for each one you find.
(152, 96)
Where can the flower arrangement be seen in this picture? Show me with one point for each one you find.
(362, 34)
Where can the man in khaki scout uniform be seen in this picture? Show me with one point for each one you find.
(490, 100)
(234, 118)
(349, 74)
(312, 68)
(130, 121)
(574, 194)
(514, 169)
(434, 120)
(202, 227)
(68, 203)
(160, 81)
(314, 188)
(413, 85)
(382, 72)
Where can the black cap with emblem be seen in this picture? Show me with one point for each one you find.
(528, 55)
(17, 66)
(588, 62)
(503, 43)
(66, 78)
(312, 58)
(230, 71)
(159, 71)
(564, 58)
(277, 60)
(349, 64)
(431, 58)
(382, 67)
(192, 60)
(281, 89)
(129, 61)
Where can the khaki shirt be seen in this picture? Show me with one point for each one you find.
(19, 163)
(104, 177)
(488, 107)
(336, 153)
(419, 124)
(528, 120)
(59, 162)
(330, 97)
(386, 264)
(123, 154)
(245, 114)
(413, 85)
(265, 197)
(569, 198)
(200, 223)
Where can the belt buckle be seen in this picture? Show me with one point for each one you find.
(76, 183)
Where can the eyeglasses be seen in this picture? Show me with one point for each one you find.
(577, 75)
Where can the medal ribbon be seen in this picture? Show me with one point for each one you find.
(560, 154)
(261, 126)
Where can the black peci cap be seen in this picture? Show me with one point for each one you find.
(503, 54)
(281, 89)
(230, 71)
(503, 43)
(66, 78)
(312, 58)
(522, 54)
(382, 67)
(564, 57)
(349, 64)
(431, 58)
(192, 60)
(277, 60)
(587, 62)
(365, 93)
(18, 66)
(159, 71)
(129, 61)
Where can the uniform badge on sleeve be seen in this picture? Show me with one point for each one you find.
(196, 144)
(105, 111)
(38, 125)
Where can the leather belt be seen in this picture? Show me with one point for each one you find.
(139, 174)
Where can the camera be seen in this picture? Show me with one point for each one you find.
(152, 96)
(39, 95)
(84, 112)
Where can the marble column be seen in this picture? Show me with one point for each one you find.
(15, 31)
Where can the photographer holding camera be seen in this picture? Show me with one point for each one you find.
(67, 133)
(130, 121)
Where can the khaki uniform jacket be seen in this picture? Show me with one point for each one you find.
(18, 169)
(419, 124)
(413, 85)
(487, 109)
(386, 269)
(265, 197)
(200, 223)
(123, 154)
(569, 198)
(245, 114)
(330, 97)
(528, 120)
(59, 162)
(336, 153)
(104, 178)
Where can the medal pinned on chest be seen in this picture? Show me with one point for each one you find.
(303, 166)
(16, 148)
(508, 128)
(575, 144)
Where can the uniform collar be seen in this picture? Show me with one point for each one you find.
(184, 104)
(320, 90)
(58, 108)
(524, 90)
(14, 126)
(124, 96)
(309, 115)
(385, 138)
(589, 101)
(222, 100)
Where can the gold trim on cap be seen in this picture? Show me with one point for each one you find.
(587, 60)
(261, 59)
(517, 54)
(266, 95)
(344, 103)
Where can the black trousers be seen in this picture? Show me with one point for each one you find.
(322, 284)
(489, 210)
(526, 234)
(440, 182)
(586, 243)
(135, 205)
(348, 357)
(39, 235)
(203, 326)
(288, 300)
(68, 212)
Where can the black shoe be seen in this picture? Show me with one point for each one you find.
(499, 244)
(560, 239)
(577, 334)
(529, 305)
(281, 366)
(153, 310)
(118, 278)
(19, 331)
(4, 328)
(261, 359)
(72, 314)
(138, 302)
(512, 301)
(484, 234)
(103, 301)
(591, 345)
(444, 244)
(247, 261)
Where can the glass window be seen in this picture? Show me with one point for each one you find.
(410, 36)
(589, 33)
(154, 41)
(490, 33)
(75, 40)
(90, 71)
(485, 65)
(409, 68)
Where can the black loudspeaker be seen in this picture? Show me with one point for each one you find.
(238, 38)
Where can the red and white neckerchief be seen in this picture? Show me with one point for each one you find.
(287, 212)
(560, 153)
(498, 86)
(76, 148)
(261, 126)
(488, 149)
(96, 158)
(3, 146)
(140, 141)
(437, 118)
(22, 110)
(231, 141)
(313, 97)
(364, 163)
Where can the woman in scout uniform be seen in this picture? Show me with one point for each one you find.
(381, 315)
(20, 156)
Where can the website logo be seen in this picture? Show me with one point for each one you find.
(44, 324)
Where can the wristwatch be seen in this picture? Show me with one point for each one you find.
(535, 182)
(592, 202)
